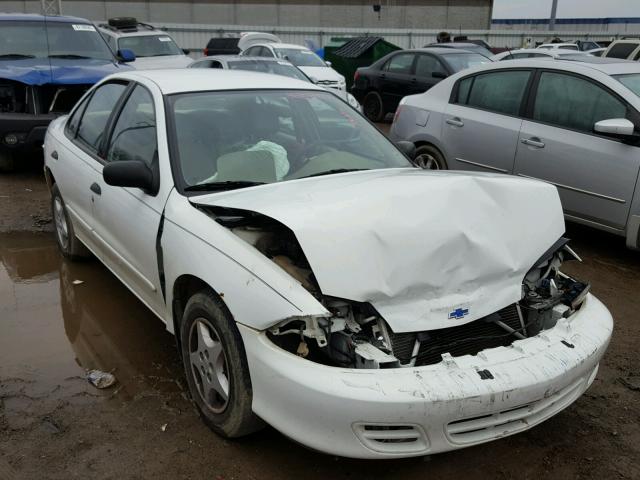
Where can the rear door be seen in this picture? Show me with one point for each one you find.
(429, 70)
(483, 119)
(396, 79)
(84, 130)
(595, 174)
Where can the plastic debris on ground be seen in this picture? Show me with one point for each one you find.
(100, 379)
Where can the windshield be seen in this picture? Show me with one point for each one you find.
(66, 40)
(277, 68)
(272, 136)
(150, 45)
(300, 58)
(460, 61)
(631, 81)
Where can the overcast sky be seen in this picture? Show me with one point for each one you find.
(566, 8)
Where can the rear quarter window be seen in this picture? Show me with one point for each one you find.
(622, 50)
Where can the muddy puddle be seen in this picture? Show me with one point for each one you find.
(59, 319)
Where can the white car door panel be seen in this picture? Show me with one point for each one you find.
(128, 219)
(482, 123)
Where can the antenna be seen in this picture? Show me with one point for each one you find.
(51, 7)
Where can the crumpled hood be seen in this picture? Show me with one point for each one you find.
(418, 245)
(38, 71)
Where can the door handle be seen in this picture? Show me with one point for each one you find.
(95, 188)
(414, 80)
(533, 142)
(54, 155)
(383, 75)
(456, 122)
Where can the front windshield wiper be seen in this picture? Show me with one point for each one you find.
(228, 185)
(335, 170)
(72, 56)
(16, 56)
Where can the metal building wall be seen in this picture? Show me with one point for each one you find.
(449, 14)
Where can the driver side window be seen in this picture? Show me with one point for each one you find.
(134, 135)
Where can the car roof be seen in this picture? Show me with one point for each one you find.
(455, 45)
(243, 58)
(200, 80)
(281, 45)
(439, 50)
(578, 64)
(144, 33)
(34, 17)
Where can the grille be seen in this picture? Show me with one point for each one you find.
(468, 339)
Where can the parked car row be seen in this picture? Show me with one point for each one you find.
(574, 124)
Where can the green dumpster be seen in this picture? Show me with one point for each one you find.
(356, 52)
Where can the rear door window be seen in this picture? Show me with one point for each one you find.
(500, 92)
(575, 103)
(400, 64)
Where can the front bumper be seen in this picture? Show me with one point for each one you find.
(406, 412)
(28, 130)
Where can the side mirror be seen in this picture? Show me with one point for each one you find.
(616, 127)
(408, 148)
(186, 51)
(439, 75)
(126, 55)
(130, 173)
(328, 63)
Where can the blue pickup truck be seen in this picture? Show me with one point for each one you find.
(46, 64)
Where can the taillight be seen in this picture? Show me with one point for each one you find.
(206, 52)
(356, 76)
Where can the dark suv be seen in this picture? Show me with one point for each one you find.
(46, 65)
(380, 87)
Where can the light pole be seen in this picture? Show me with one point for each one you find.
(552, 18)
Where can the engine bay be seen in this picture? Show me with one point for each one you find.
(355, 335)
(16, 97)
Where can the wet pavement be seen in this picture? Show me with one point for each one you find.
(59, 318)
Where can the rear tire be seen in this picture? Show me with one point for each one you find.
(216, 367)
(7, 162)
(430, 158)
(373, 107)
(70, 246)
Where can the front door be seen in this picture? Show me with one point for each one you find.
(595, 175)
(128, 219)
(395, 80)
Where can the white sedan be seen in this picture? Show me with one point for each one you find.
(286, 244)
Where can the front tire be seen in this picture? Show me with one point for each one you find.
(70, 246)
(373, 107)
(430, 158)
(216, 367)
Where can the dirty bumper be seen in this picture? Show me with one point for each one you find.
(457, 403)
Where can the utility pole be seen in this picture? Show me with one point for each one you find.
(51, 7)
(552, 18)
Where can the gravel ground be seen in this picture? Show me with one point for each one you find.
(54, 425)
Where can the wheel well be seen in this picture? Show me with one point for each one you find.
(184, 288)
(48, 176)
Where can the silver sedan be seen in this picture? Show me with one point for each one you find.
(572, 123)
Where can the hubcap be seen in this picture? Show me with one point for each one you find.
(428, 162)
(209, 365)
(62, 230)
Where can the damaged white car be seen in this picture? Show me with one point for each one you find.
(314, 278)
